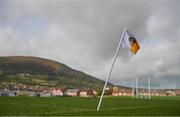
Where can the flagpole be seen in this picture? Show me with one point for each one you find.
(109, 74)
(133, 88)
(136, 88)
(149, 87)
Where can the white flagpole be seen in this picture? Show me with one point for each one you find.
(132, 87)
(109, 74)
(149, 87)
(136, 88)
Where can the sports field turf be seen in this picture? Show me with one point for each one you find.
(164, 106)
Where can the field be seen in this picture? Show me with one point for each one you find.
(164, 106)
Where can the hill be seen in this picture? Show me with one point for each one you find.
(44, 72)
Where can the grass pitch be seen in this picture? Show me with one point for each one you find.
(111, 106)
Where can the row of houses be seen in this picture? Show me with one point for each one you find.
(48, 93)
(144, 92)
(116, 91)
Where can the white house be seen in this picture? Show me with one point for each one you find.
(72, 92)
(57, 92)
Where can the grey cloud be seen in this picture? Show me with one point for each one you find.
(85, 35)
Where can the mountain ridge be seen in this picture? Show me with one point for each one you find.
(46, 72)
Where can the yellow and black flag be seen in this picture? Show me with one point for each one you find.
(129, 41)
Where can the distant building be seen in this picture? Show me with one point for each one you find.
(83, 93)
(88, 93)
(4, 93)
(72, 92)
(177, 92)
(158, 92)
(121, 92)
(26, 93)
(45, 94)
(56, 92)
(12, 93)
(170, 93)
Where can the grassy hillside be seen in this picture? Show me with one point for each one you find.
(39, 71)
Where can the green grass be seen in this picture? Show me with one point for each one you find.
(164, 106)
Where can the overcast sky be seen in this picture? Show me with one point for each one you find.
(84, 35)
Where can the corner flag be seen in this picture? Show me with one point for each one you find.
(129, 41)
